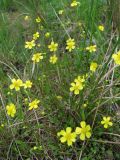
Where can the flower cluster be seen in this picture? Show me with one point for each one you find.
(70, 137)
(84, 131)
(77, 85)
(18, 83)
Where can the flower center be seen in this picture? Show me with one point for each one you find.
(68, 136)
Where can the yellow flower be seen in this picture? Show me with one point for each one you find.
(101, 28)
(16, 84)
(76, 87)
(70, 44)
(2, 125)
(67, 136)
(9, 93)
(11, 109)
(26, 18)
(84, 131)
(84, 105)
(53, 59)
(27, 84)
(116, 57)
(60, 12)
(53, 46)
(80, 79)
(35, 148)
(37, 57)
(59, 97)
(38, 19)
(36, 36)
(34, 104)
(74, 3)
(106, 122)
(30, 44)
(47, 34)
(91, 48)
(93, 66)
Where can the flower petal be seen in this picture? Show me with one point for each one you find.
(68, 130)
(110, 123)
(69, 142)
(78, 130)
(82, 137)
(88, 128)
(83, 124)
(106, 126)
(63, 139)
(88, 134)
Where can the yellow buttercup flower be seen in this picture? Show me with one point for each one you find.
(67, 136)
(76, 87)
(26, 18)
(53, 46)
(38, 19)
(16, 84)
(59, 97)
(106, 122)
(36, 36)
(27, 84)
(84, 131)
(91, 48)
(75, 3)
(116, 57)
(79, 79)
(60, 12)
(30, 44)
(35, 148)
(37, 57)
(34, 104)
(84, 105)
(47, 34)
(2, 125)
(70, 44)
(11, 109)
(101, 28)
(93, 66)
(53, 59)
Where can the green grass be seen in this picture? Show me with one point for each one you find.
(39, 127)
